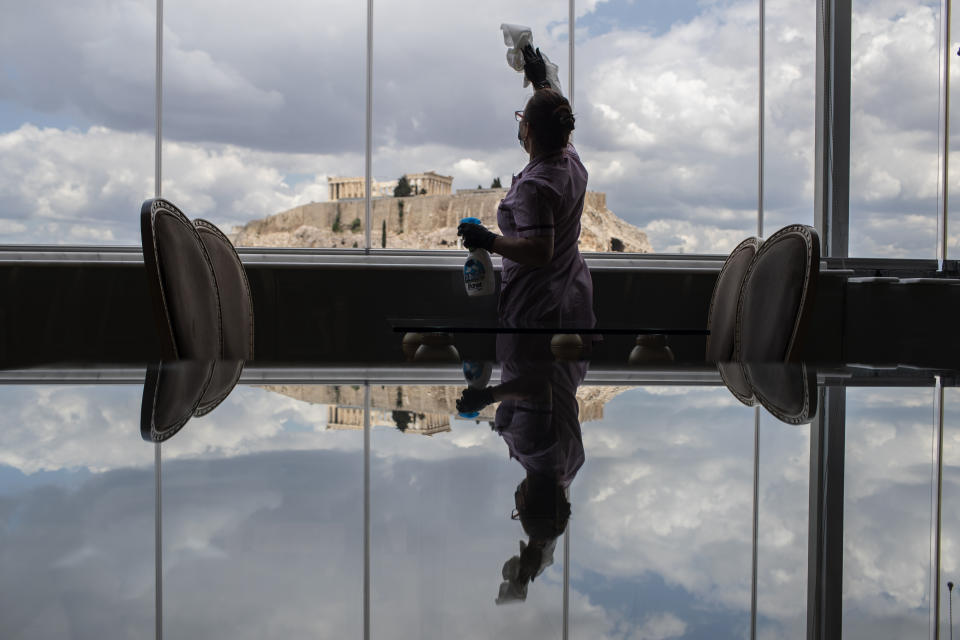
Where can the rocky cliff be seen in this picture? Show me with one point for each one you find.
(437, 399)
(421, 222)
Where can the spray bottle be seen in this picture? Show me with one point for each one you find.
(478, 276)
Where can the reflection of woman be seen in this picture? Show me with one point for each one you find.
(545, 279)
(538, 419)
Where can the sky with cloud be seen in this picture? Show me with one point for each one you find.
(263, 102)
(263, 520)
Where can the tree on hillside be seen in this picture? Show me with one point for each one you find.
(336, 222)
(402, 189)
(496, 183)
(383, 235)
(356, 225)
(402, 419)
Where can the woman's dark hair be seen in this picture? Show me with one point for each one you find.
(542, 507)
(550, 118)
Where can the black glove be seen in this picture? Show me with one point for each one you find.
(535, 68)
(476, 236)
(474, 399)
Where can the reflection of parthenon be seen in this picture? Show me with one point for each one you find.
(351, 418)
(431, 183)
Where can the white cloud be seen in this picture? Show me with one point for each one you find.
(469, 171)
(666, 120)
(660, 626)
(86, 186)
(684, 236)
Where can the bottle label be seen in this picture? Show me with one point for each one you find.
(473, 274)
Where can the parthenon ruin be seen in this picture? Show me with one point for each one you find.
(430, 182)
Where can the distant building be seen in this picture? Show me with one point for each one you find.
(431, 183)
(351, 418)
(348, 188)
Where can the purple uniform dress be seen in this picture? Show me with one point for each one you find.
(546, 199)
(543, 434)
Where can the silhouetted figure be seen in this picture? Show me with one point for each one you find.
(545, 281)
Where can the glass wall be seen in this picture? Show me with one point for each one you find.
(264, 114)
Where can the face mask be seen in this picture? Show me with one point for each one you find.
(521, 134)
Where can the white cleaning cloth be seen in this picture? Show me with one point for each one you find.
(516, 37)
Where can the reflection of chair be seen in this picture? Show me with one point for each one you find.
(182, 284)
(173, 392)
(722, 318)
(223, 378)
(776, 297)
(236, 302)
(788, 391)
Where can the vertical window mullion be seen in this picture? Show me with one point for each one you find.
(761, 118)
(946, 50)
(368, 151)
(832, 168)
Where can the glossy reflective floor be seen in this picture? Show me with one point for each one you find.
(279, 514)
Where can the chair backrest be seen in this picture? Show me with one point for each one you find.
(776, 297)
(236, 301)
(722, 318)
(182, 284)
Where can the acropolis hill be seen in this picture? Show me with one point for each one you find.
(422, 222)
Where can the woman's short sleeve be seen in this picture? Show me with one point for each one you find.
(534, 208)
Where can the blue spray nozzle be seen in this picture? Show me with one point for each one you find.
(471, 220)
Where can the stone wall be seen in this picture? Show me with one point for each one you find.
(421, 222)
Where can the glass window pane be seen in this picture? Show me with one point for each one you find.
(444, 103)
(894, 119)
(76, 121)
(667, 96)
(791, 40)
(259, 110)
(886, 520)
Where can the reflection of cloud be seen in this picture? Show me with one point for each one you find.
(98, 428)
(260, 536)
(660, 626)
